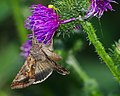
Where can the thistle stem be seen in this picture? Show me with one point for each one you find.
(100, 49)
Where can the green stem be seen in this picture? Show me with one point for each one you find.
(90, 85)
(100, 49)
(74, 63)
(15, 4)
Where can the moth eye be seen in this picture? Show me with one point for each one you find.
(26, 73)
(29, 58)
(32, 66)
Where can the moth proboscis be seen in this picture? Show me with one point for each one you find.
(38, 66)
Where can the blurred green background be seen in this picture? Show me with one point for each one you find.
(13, 34)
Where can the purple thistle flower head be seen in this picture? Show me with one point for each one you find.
(97, 8)
(44, 22)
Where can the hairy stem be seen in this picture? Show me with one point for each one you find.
(100, 49)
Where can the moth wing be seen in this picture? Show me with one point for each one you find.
(25, 76)
(42, 71)
(51, 57)
(60, 69)
(48, 50)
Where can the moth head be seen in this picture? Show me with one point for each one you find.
(35, 48)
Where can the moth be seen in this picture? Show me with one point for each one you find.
(38, 66)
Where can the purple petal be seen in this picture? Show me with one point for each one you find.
(97, 8)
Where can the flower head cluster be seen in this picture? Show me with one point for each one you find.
(97, 7)
(44, 22)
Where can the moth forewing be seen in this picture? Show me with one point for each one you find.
(25, 76)
(19, 85)
(48, 49)
(54, 65)
(52, 55)
(60, 69)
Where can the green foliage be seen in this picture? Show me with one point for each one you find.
(5, 12)
(115, 54)
(15, 7)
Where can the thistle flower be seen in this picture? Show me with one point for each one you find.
(97, 8)
(44, 22)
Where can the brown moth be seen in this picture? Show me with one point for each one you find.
(38, 66)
